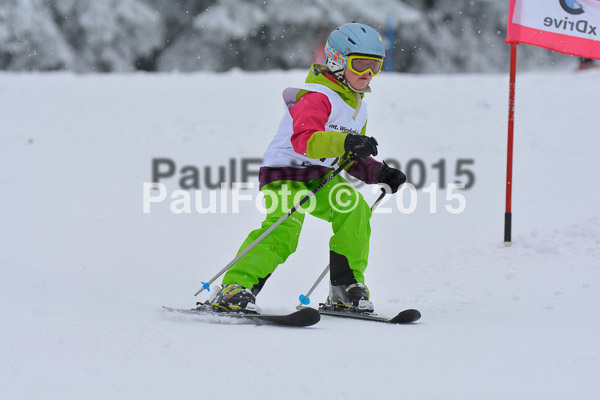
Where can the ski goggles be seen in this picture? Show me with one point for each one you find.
(360, 64)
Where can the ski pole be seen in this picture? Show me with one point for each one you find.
(305, 299)
(206, 285)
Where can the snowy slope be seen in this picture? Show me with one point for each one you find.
(84, 271)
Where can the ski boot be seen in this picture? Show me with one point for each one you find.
(234, 298)
(354, 298)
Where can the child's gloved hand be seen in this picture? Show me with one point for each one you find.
(360, 146)
(392, 177)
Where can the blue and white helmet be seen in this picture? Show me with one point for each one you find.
(351, 38)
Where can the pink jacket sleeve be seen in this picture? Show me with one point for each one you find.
(310, 114)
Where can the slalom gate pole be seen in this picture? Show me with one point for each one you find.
(206, 285)
(509, 153)
(305, 299)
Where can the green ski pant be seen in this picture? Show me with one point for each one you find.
(337, 202)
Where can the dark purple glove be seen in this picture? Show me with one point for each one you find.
(360, 146)
(392, 177)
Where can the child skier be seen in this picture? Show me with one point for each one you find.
(324, 125)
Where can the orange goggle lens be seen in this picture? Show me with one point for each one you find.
(360, 65)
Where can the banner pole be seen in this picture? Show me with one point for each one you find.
(509, 160)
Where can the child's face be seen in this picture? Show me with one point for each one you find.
(358, 82)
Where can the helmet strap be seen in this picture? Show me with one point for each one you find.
(339, 75)
(365, 90)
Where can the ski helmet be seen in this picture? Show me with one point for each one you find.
(351, 38)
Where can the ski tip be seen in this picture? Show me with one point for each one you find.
(406, 317)
(306, 316)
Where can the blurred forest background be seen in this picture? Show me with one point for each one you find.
(423, 36)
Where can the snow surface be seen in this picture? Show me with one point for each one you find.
(84, 271)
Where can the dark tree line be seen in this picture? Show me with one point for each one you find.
(188, 35)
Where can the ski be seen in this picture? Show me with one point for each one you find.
(300, 318)
(404, 317)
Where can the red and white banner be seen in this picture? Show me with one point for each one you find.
(567, 26)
